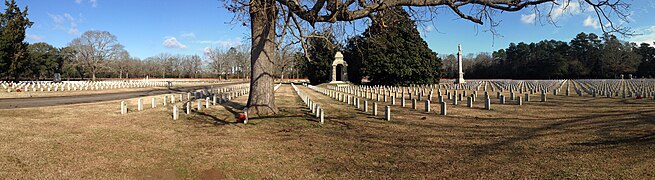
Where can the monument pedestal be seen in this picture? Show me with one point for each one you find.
(460, 81)
(342, 74)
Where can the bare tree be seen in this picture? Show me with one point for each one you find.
(285, 61)
(164, 64)
(196, 65)
(263, 16)
(94, 49)
(217, 62)
(121, 63)
(242, 60)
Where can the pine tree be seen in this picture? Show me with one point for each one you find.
(392, 52)
(321, 52)
(44, 61)
(13, 51)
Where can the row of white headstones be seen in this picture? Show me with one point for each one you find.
(352, 101)
(313, 106)
(351, 94)
(633, 88)
(45, 86)
(204, 98)
(644, 88)
(416, 94)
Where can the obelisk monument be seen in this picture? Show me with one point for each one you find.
(460, 80)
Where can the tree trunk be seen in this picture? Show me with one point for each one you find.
(93, 74)
(261, 100)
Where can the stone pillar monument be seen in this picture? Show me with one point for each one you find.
(460, 80)
(338, 60)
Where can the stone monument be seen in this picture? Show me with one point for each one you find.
(339, 69)
(460, 80)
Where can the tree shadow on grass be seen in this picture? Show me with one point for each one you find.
(231, 107)
(216, 121)
(610, 132)
(645, 139)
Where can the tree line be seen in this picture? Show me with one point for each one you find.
(99, 54)
(389, 52)
(585, 56)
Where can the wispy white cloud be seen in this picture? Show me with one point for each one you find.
(65, 22)
(222, 43)
(190, 35)
(34, 37)
(570, 8)
(429, 28)
(171, 42)
(590, 22)
(528, 19)
(94, 3)
(207, 50)
(646, 35)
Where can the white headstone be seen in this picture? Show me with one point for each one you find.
(176, 114)
(387, 113)
(375, 109)
(444, 110)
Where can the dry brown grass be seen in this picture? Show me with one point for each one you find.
(567, 137)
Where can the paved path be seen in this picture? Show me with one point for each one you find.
(11, 103)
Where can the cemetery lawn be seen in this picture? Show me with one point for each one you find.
(566, 137)
(45, 93)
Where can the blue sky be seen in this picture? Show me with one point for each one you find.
(149, 27)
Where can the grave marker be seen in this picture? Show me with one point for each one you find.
(139, 104)
(469, 102)
(375, 109)
(176, 114)
(443, 108)
(387, 113)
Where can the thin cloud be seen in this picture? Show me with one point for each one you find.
(94, 3)
(590, 22)
(34, 38)
(528, 19)
(646, 35)
(171, 42)
(188, 35)
(65, 22)
(571, 8)
(429, 28)
(207, 50)
(222, 43)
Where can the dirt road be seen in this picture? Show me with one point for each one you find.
(10, 103)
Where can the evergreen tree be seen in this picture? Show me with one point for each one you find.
(647, 66)
(393, 52)
(13, 51)
(618, 58)
(585, 56)
(321, 54)
(44, 61)
(354, 56)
